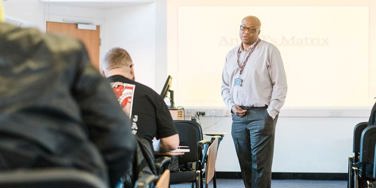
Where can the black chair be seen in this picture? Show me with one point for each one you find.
(146, 167)
(358, 130)
(372, 117)
(363, 162)
(366, 157)
(190, 165)
(354, 159)
(162, 164)
(49, 178)
(159, 180)
(372, 183)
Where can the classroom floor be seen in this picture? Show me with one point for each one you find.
(237, 183)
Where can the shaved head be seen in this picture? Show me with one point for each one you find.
(118, 61)
(252, 19)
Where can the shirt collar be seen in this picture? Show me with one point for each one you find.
(250, 47)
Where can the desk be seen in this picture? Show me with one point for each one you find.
(181, 150)
(213, 135)
(175, 152)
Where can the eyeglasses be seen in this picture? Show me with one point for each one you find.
(249, 29)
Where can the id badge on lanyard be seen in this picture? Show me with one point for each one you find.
(238, 82)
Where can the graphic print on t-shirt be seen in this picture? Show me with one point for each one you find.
(124, 93)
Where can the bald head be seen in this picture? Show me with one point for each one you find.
(2, 15)
(252, 20)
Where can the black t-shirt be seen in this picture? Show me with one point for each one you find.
(149, 114)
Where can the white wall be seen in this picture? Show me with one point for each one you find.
(134, 29)
(30, 12)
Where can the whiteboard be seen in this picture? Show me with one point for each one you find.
(325, 51)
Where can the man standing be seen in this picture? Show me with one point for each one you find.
(254, 87)
(149, 114)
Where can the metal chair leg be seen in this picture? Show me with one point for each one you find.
(350, 180)
(214, 181)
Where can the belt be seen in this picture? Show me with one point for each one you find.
(253, 107)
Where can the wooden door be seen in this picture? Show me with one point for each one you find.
(90, 38)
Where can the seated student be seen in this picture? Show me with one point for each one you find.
(149, 114)
(56, 109)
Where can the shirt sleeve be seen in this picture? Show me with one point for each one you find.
(279, 82)
(165, 124)
(226, 87)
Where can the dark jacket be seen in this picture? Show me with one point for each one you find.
(56, 110)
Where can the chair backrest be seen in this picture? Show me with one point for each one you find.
(147, 153)
(147, 169)
(190, 134)
(164, 180)
(368, 139)
(367, 147)
(212, 158)
(162, 163)
(374, 166)
(372, 117)
(49, 178)
(357, 135)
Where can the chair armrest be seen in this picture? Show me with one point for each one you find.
(215, 135)
(162, 163)
(204, 142)
(203, 146)
(221, 135)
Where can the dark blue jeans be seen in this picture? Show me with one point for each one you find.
(253, 136)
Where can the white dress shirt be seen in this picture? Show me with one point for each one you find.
(264, 78)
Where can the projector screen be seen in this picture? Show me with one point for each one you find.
(325, 50)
